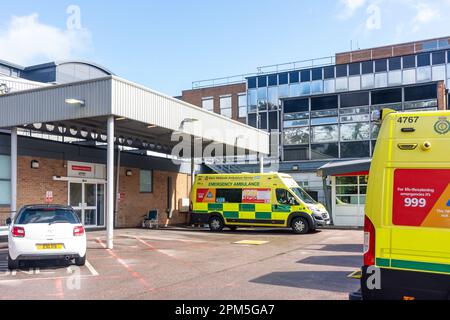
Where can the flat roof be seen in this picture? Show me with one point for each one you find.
(147, 116)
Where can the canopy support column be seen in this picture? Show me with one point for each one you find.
(261, 163)
(110, 184)
(13, 173)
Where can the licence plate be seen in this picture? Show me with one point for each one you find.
(57, 246)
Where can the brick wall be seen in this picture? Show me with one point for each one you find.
(195, 97)
(442, 96)
(34, 183)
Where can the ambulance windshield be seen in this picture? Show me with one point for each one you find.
(305, 197)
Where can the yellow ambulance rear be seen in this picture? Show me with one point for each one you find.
(407, 227)
(254, 200)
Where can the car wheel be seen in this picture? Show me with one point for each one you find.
(233, 228)
(12, 264)
(216, 224)
(300, 225)
(80, 261)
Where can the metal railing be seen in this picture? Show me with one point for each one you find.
(216, 82)
(297, 65)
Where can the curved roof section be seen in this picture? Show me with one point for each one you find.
(62, 62)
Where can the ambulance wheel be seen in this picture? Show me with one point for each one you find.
(12, 264)
(233, 228)
(300, 225)
(216, 224)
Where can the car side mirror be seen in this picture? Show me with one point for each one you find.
(8, 221)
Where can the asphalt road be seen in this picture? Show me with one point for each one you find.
(186, 264)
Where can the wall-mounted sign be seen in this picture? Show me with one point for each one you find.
(86, 170)
(49, 197)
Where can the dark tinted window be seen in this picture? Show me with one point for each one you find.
(367, 67)
(317, 74)
(323, 103)
(262, 82)
(273, 80)
(438, 57)
(354, 69)
(229, 195)
(421, 92)
(386, 96)
(355, 149)
(355, 99)
(273, 120)
(294, 77)
(395, 63)
(409, 62)
(251, 83)
(341, 71)
(263, 120)
(423, 60)
(283, 78)
(328, 72)
(380, 65)
(47, 216)
(305, 75)
(297, 154)
(298, 105)
(324, 151)
(252, 120)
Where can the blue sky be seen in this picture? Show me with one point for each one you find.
(168, 44)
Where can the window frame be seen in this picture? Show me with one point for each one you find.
(141, 171)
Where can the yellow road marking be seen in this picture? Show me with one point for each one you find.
(251, 242)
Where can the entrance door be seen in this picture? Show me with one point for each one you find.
(88, 201)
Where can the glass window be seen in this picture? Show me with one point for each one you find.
(251, 83)
(283, 91)
(438, 73)
(296, 105)
(273, 80)
(317, 74)
(380, 80)
(424, 92)
(438, 57)
(296, 116)
(305, 88)
(423, 74)
(242, 105)
(225, 106)
(317, 86)
(329, 86)
(355, 118)
(296, 123)
(395, 63)
(375, 130)
(285, 197)
(324, 113)
(328, 72)
(262, 81)
(273, 100)
(324, 151)
(354, 69)
(354, 83)
(294, 90)
(229, 195)
(324, 102)
(305, 75)
(341, 70)
(409, 62)
(395, 78)
(354, 99)
(208, 104)
(5, 192)
(294, 77)
(328, 133)
(367, 67)
(354, 111)
(5, 167)
(355, 149)
(263, 120)
(430, 45)
(367, 81)
(296, 154)
(251, 120)
(5, 180)
(273, 121)
(283, 78)
(381, 65)
(262, 98)
(252, 98)
(294, 136)
(342, 84)
(386, 96)
(409, 76)
(355, 131)
(423, 60)
(146, 181)
(321, 121)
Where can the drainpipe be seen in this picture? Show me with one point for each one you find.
(116, 212)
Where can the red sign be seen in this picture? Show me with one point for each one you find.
(421, 198)
(82, 168)
(49, 197)
(256, 195)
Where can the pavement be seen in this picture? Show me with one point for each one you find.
(182, 264)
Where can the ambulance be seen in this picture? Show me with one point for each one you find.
(407, 223)
(254, 200)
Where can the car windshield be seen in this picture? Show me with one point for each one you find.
(50, 216)
(305, 197)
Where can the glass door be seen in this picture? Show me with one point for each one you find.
(88, 201)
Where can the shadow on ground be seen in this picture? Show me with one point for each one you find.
(335, 281)
(356, 248)
(246, 231)
(336, 261)
(26, 265)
